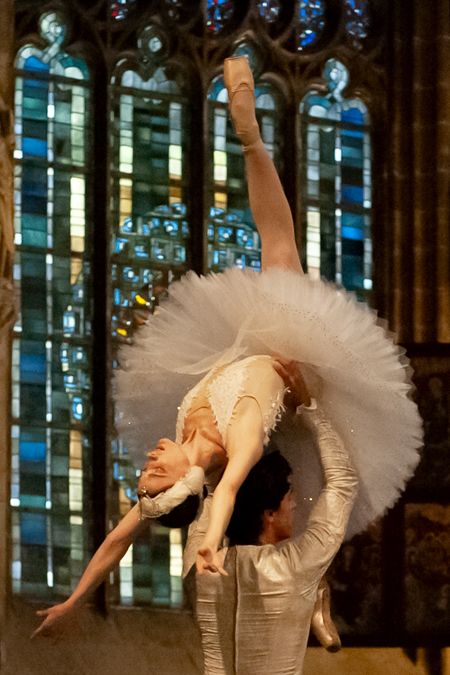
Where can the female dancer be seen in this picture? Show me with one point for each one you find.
(226, 328)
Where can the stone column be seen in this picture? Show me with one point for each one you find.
(414, 253)
(7, 302)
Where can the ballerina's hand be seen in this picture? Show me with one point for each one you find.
(290, 372)
(54, 619)
(208, 559)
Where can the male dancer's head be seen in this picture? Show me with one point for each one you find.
(265, 504)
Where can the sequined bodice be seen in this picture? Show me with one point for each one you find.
(224, 387)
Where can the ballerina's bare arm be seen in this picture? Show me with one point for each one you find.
(106, 558)
(244, 448)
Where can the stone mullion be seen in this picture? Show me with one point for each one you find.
(423, 103)
(416, 265)
(398, 210)
(443, 173)
(7, 311)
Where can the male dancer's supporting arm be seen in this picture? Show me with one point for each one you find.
(105, 559)
(313, 551)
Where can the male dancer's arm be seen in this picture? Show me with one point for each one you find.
(312, 552)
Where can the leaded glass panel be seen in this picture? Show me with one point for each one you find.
(337, 183)
(218, 14)
(357, 21)
(269, 10)
(52, 344)
(311, 22)
(150, 238)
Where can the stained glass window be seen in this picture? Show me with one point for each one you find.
(269, 10)
(150, 236)
(311, 22)
(357, 21)
(337, 183)
(51, 350)
(218, 14)
(232, 237)
(121, 8)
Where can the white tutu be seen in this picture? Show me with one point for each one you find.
(214, 320)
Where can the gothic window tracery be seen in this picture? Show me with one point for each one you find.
(177, 200)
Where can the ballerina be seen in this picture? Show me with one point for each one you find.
(225, 330)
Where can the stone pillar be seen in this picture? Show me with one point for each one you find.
(7, 303)
(414, 253)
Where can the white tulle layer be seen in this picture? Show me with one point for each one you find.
(364, 379)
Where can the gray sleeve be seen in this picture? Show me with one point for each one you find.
(196, 533)
(312, 552)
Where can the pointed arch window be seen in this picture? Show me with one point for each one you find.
(52, 344)
(150, 223)
(337, 182)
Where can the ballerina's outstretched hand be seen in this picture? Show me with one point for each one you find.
(210, 560)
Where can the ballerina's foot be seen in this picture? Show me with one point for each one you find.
(240, 86)
(322, 624)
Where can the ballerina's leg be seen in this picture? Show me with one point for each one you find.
(268, 203)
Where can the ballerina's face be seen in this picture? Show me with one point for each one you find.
(165, 464)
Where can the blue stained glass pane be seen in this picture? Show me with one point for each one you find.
(32, 451)
(218, 13)
(352, 233)
(353, 115)
(34, 147)
(33, 368)
(352, 194)
(37, 87)
(33, 529)
(33, 63)
(311, 17)
(353, 133)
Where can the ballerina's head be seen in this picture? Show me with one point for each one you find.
(165, 464)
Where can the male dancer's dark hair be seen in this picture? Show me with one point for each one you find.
(263, 490)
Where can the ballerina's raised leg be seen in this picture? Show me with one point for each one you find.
(268, 203)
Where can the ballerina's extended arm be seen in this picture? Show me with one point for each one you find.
(244, 448)
(106, 558)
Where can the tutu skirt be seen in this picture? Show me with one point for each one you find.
(359, 376)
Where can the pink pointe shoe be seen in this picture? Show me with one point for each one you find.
(239, 80)
(322, 624)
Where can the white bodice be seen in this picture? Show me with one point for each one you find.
(224, 387)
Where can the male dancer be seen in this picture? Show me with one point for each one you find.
(257, 619)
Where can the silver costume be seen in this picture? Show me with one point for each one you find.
(256, 621)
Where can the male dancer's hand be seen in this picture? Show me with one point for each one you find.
(290, 372)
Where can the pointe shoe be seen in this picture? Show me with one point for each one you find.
(238, 78)
(322, 624)
(237, 75)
